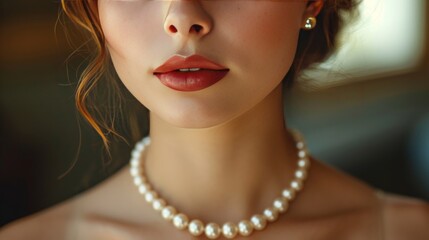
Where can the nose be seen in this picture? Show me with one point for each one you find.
(187, 18)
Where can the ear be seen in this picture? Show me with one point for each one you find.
(312, 10)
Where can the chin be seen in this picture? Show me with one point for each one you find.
(194, 118)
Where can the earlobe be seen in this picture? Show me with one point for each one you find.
(312, 10)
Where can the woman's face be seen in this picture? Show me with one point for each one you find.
(254, 40)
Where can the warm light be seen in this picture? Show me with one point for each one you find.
(388, 37)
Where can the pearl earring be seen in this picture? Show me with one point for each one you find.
(310, 23)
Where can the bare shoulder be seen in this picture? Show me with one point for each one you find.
(76, 217)
(357, 209)
(405, 218)
(48, 224)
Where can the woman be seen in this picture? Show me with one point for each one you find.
(220, 161)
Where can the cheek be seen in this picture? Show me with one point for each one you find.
(266, 41)
(126, 26)
(131, 29)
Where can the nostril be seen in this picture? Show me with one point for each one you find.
(172, 29)
(197, 28)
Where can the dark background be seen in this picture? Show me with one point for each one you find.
(375, 129)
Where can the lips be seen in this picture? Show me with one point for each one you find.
(190, 74)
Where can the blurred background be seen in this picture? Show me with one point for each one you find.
(365, 111)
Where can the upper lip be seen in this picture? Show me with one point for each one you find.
(195, 61)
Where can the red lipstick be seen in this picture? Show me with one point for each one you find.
(190, 74)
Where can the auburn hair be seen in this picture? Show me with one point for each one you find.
(313, 46)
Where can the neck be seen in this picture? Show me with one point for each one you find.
(226, 172)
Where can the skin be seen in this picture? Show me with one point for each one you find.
(239, 136)
(150, 43)
(229, 151)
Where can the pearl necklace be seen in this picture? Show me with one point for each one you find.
(212, 230)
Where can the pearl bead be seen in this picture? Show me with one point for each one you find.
(259, 222)
(271, 214)
(150, 196)
(301, 174)
(302, 154)
(212, 230)
(229, 230)
(135, 162)
(146, 141)
(289, 193)
(281, 204)
(304, 163)
(136, 154)
(168, 213)
(135, 171)
(139, 146)
(144, 188)
(138, 180)
(180, 221)
(300, 145)
(245, 228)
(296, 184)
(158, 204)
(196, 227)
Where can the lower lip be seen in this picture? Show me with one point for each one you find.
(191, 81)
